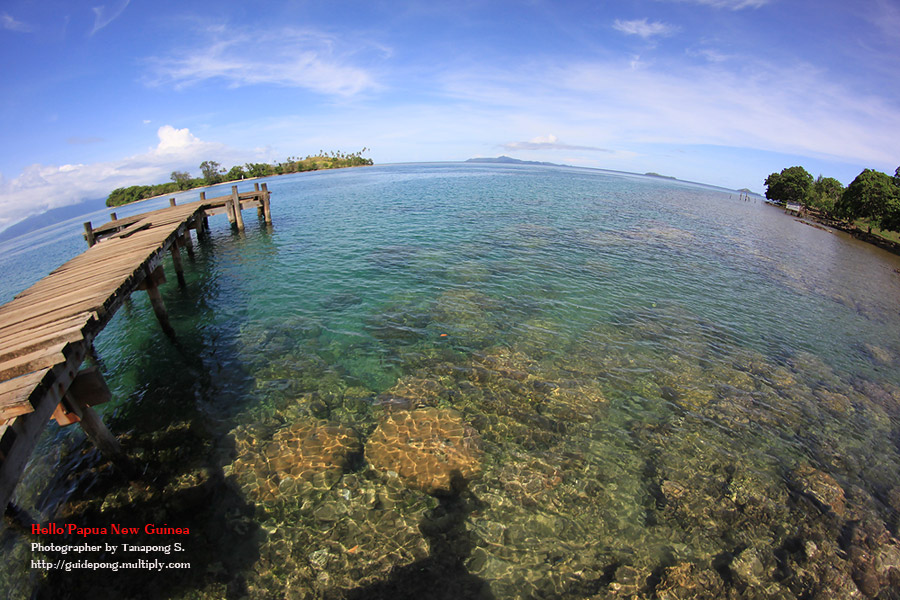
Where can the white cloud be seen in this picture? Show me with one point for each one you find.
(104, 15)
(11, 24)
(287, 57)
(644, 29)
(175, 141)
(549, 142)
(42, 187)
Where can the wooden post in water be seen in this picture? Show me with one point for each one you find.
(89, 389)
(267, 211)
(171, 201)
(113, 217)
(236, 201)
(187, 242)
(205, 219)
(89, 233)
(176, 260)
(151, 284)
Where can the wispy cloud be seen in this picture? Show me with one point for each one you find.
(286, 57)
(106, 14)
(728, 4)
(11, 24)
(790, 109)
(550, 142)
(643, 28)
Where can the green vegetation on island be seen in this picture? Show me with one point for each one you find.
(871, 201)
(213, 173)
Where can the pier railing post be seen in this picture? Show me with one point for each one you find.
(89, 233)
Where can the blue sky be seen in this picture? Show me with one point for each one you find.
(718, 91)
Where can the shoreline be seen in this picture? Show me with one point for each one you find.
(233, 181)
(814, 218)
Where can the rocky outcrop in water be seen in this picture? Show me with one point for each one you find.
(307, 452)
(429, 449)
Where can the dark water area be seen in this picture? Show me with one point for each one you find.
(469, 381)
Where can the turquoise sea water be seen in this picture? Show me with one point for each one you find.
(665, 391)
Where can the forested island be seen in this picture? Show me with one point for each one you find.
(213, 173)
(870, 202)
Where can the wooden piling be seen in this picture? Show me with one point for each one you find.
(176, 261)
(151, 284)
(171, 201)
(236, 202)
(187, 242)
(113, 217)
(267, 211)
(89, 233)
(89, 389)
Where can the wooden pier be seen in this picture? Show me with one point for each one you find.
(47, 331)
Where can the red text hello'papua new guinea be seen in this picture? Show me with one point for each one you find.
(113, 529)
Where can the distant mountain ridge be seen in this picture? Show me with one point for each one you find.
(507, 160)
(51, 217)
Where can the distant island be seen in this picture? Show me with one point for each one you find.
(213, 173)
(507, 160)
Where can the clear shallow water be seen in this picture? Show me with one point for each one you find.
(665, 391)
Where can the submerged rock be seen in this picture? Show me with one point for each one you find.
(309, 451)
(430, 449)
(821, 487)
(687, 580)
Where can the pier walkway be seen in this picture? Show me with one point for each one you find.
(47, 331)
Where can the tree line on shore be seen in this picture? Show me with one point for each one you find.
(213, 173)
(873, 196)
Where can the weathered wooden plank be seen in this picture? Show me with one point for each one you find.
(49, 318)
(97, 292)
(13, 389)
(14, 404)
(24, 344)
(118, 267)
(9, 337)
(43, 358)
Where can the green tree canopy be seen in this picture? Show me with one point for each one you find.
(210, 170)
(825, 193)
(791, 185)
(872, 195)
(182, 179)
(236, 172)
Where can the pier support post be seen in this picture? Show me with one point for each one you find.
(236, 201)
(187, 242)
(267, 211)
(151, 285)
(176, 260)
(89, 233)
(113, 217)
(171, 201)
(89, 389)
